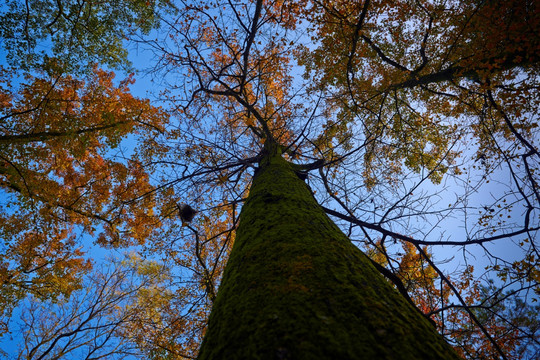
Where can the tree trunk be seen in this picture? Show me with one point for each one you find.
(295, 287)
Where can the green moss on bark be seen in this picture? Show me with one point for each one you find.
(295, 287)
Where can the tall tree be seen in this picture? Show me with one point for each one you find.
(389, 116)
(295, 287)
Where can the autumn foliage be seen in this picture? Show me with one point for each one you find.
(415, 124)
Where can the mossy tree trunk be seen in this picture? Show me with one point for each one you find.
(295, 287)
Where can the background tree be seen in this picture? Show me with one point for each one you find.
(61, 117)
(97, 321)
(407, 110)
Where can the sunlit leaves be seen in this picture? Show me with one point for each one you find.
(57, 171)
(77, 33)
(368, 54)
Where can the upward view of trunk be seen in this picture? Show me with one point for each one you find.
(295, 287)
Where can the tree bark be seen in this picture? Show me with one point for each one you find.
(295, 287)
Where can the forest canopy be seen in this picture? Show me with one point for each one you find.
(414, 123)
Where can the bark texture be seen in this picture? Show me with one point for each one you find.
(295, 287)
